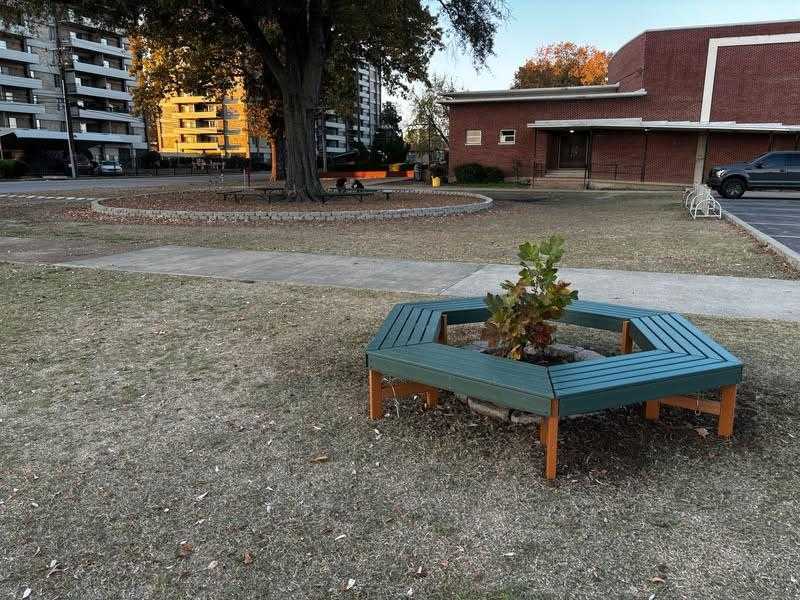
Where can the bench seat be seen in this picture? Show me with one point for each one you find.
(675, 358)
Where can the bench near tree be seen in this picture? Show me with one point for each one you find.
(675, 358)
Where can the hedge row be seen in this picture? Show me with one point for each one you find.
(477, 173)
(13, 168)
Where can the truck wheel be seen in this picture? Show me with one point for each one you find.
(733, 188)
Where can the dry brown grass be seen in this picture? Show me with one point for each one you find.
(644, 232)
(139, 412)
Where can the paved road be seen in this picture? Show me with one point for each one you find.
(777, 215)
(59, 185)
(698, 294)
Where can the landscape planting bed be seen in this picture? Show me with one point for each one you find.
(213, 206)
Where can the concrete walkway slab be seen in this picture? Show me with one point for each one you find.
(293, 267)
(695, 294)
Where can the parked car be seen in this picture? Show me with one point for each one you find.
(109, 167)
(771, 171)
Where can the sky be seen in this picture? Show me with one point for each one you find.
(607, 24)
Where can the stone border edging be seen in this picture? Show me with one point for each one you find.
(789, 255)
(348, 215)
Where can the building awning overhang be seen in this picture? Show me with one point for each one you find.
(581, 92)
(641, 125)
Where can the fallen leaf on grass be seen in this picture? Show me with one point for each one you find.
(510, 554)
(421, 572)
(657, 579)
(26, 593)
(201, 496)
(248, 557)
(348, 585)
(320, 458)
(212, 565)
(702, 432)
(340, 537)
(185, 549)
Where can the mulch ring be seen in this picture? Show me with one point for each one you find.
(211, 201)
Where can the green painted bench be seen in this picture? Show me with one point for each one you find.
(675, 359)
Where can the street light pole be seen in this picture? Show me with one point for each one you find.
(67, 108)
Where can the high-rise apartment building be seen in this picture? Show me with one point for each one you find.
(33, 123)
(342, 131)
(203, 126)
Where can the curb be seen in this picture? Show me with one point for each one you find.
(484, 202)
(789, 255)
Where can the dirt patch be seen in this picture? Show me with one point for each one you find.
(211, 201)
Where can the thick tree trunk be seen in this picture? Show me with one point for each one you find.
(302, 177)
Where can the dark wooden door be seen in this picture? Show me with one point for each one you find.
(572, 151)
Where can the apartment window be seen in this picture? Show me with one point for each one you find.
(508, 136)
(12, 122)
(473, 137)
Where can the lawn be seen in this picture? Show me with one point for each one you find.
(188, 438)
(644, 232)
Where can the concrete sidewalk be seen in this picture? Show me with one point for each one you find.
(696, 294)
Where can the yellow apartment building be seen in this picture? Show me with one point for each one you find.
(198, 126)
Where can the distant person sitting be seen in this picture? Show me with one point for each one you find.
(341, 184)
(357, 185)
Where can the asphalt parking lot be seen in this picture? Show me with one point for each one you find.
(775, 213)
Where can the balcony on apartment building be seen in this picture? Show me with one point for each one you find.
(17, 76)
(103, 70)
(17, 55)
(103, 45)
(18, 101)
(98, 89)
(102, 138)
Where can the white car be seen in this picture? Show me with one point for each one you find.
(109, 167)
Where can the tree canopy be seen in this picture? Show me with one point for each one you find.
(429, 127)
(303, 46)
(563, 64)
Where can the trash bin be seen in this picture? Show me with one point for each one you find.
(436, 181)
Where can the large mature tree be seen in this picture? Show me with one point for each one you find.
(428, 128)
(388, 143)
(294, 41)
(563, 64)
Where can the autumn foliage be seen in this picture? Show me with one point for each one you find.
(564, 64)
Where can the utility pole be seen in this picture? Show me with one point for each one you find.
(67, 107)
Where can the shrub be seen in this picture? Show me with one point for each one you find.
(470, 173)
(13, 168)
(517, 317)
(493, 175)
(477, 173)
(149, 159)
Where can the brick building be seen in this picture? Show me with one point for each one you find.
(677, 102)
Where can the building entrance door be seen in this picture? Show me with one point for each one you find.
(572, 151)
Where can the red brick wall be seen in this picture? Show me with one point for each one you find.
(617, 154)
(490, 118)
(627, 65)
(753, 84)
(675, 67)
(670, 156)
(726, 148)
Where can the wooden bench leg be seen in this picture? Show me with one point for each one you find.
(443, 330)
(625, 339)
(727, 407)
(375, 395)
(432, 399)
(651, 410)
(550, 424)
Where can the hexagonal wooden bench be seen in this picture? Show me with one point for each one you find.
(675, 359)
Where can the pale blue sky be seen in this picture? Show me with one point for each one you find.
(606, 24)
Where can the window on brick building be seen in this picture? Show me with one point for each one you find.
(508, 136)
(473, 137)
